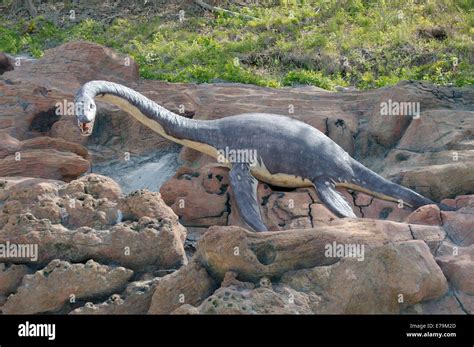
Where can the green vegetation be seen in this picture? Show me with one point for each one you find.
(329, 43)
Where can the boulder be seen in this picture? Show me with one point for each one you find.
(427, 215)
(11, 276)
(200, 197)
(189, 285)
(277, 299)
(390, 278)
(448, 304)
(68, 65)
(83, 220)
(459, 226)
(135, 299)
(271, 254)
(458, 266)
(52, 287)
(43, 157)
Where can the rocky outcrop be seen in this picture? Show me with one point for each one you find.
(348, 286)
(82, 220)
(10, 277)
(390, 278)
(135, 299)
(292, 272)
(44, 157)
(458, 266)
(50, 288)
(199, 197)
(394, 266)
(189, 286)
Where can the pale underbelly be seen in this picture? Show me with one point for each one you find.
(280, 179)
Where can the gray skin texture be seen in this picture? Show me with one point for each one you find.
(284, 145)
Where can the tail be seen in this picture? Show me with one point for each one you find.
(379, 185)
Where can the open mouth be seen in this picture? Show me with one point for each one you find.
(86, 128)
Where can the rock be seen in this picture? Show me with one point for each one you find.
(382, 209)
(448, 304)
(42, 157)
(50, 69)
(436, 176)
(433, 236)
(135, 299)
(271, 254)
(459, 268)
(459, 226)
(185, 310)
(189, 285)
(5, 63)
(286, 210)
(143, 203)
(10, 277)
(148, 242)
(257, 275)
(199, 198)
(464, 201)
(387, 130)
(427, 215)
(51, 288)
(466, 301)
(275, 300)
(390, 278)
(236, 297)
(71, 205)
(45, 163)
(81, 220)
(99, 187)
(136, 245)
(319, 213)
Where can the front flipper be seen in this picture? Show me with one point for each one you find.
(244, 186)
(333, 200)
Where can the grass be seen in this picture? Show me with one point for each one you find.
(329, 43)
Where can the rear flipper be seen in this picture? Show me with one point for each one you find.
(244, 186)
(333, 200)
